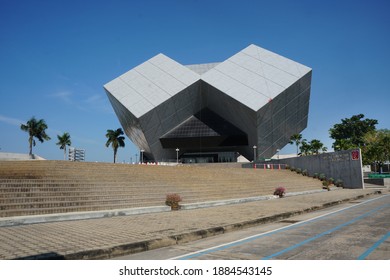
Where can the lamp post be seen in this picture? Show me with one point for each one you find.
(254, 153)
(278, 150)
(177, 155)
(142, 156)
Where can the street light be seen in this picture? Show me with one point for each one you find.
(254, 153)
(142, 156)
(177, 155)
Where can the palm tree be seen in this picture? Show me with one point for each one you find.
(35, 128)
(343, 145)
(316, 145)
(305, 148)
(115, 139)
(64, 141)
(297, 139)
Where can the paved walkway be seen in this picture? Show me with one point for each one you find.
(109, 237)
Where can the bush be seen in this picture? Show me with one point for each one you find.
(299, 171)
(173, 201)
(316, 176)
(325, 185)
(331, 181)
(322, 177)
(287, 166)
(305, 172)
(292, 169)
(339, 183)
(280, 191)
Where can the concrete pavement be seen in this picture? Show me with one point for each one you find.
(108, 237)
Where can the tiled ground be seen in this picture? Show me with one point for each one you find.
(79, 237)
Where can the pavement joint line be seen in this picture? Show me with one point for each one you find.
(73, 216)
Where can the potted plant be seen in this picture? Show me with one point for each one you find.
(280, 191)
(173, 201)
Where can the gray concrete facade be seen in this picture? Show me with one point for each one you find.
(343, 165)
(261, 94)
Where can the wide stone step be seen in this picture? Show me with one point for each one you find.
(44, 187)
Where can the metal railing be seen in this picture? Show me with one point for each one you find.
(269, 166)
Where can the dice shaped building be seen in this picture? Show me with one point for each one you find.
(249, 105)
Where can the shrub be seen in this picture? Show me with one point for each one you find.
(339, 183)
(316, 175)
(292, 169)
(173, 200)
(287, 166)
(305, 172)
(326, 184)
(331, 181)
(280, 191)
(322, 177)
(299, 171)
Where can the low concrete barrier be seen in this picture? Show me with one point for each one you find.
(344, 165)
(378, 181)
(24, 220)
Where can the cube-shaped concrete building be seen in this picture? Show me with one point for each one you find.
(249, 104)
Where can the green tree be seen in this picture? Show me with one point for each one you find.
(36, 129)
(350, 132)
(63, 141)
(343, 144)
(386, 143)
(316, 146)
(297, 139)
(305, 148)
(115, 139)
(376, 146)
(312, 148)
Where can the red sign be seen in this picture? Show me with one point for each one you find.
(355, 155)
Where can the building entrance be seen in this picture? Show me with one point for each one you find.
(209, 157)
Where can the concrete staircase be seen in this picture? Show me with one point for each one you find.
(47, 187)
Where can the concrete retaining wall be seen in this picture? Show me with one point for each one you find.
(378, 181)
(344, 165)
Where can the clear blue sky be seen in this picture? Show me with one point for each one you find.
(55, 57)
